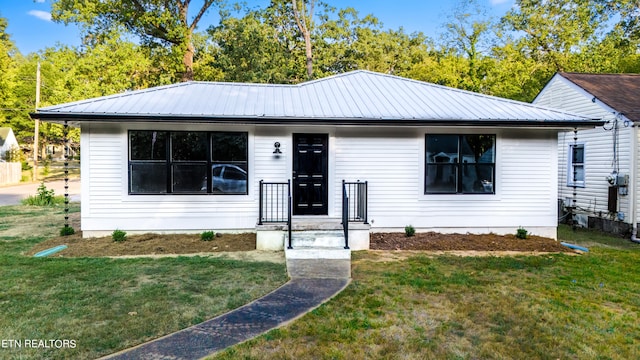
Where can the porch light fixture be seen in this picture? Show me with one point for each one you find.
(277, 151)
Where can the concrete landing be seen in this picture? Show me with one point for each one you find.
(319, 268)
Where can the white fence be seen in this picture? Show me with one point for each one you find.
(10, 173)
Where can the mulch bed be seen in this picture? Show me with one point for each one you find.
(147, 244)
(470, 242)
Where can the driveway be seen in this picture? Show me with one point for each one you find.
(12, 194)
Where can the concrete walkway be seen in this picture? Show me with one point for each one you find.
(300, 295)
(292, 300)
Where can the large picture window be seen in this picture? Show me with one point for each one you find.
(180, 162)
(462, 164)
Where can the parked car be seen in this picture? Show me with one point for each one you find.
(227, 178)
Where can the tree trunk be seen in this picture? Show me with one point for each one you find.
(309, 52)
(188, 62)
(304, 20)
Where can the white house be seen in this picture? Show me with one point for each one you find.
(601, 164)
(191, 156)
(7, 140)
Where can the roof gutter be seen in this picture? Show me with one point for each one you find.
(117, 118)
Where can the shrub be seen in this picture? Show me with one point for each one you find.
(13, 154)
(44, 197)
(521, 233)
(119, 235)
(207, 236)
(67, 230)
(26, 166)
(409, 230)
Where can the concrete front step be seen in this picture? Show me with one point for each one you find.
(317, 253)
(317, 238)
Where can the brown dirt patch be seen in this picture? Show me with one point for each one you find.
(431, 241)
(237, 245)
(147, 244)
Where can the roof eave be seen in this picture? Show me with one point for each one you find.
(253, 120)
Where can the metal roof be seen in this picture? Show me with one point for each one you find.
(357, 97)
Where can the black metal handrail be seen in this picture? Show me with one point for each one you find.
(357, 208)
(275, 204)
(345, 214)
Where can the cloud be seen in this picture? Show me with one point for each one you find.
(42, 15)
(498, 2)
(40, 1)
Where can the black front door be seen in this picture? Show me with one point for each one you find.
(310, 170)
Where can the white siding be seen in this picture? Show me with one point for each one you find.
(592, 199)
(106, 204)
(391, 160)
(392, 163)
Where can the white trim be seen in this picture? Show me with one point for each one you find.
(422, 196)
(252, 182)
(578, 183)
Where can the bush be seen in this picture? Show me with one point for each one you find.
(119, 235)
(521, 233)
(207, 236)
(409, 230)
(26, 166)
(67, 230)
(44, 197)
(13, 154)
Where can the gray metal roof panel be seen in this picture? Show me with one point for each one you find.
(350, 96)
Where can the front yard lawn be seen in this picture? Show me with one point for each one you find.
(102, 305)
(418, 306)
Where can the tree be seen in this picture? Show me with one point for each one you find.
(350, 42)
(7, 63)
(468, 35)
(303, 14)
(154, 21)
(262, 46)
(564, 35)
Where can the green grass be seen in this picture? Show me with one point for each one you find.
(446, 307)
(106, 305)
(589, 238)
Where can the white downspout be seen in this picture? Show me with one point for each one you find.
(634, 183)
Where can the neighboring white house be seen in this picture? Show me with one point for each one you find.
(7, 140)
(190, 156)
(601, 162)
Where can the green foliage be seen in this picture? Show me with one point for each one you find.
(157, 23)
(13, 154)
(409, 230)
(118, 235)
(207, 235)
(521, 233)
(66, 231)
(44, 197)
(513, 58)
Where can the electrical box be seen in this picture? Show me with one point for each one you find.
(622, 180)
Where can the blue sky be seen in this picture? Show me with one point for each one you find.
(31, 28)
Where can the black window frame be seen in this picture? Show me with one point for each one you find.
(459, 166)
(168, 163)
